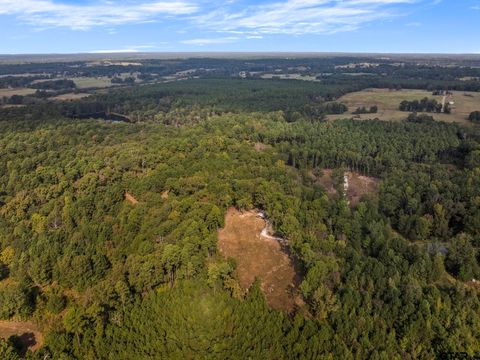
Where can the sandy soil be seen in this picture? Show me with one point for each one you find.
(29, 334)
(261, 256)
(131, 199)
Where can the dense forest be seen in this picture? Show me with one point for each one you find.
(392, 277)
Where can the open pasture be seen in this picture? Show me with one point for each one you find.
(388, 102)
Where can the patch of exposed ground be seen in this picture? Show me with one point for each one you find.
(355, 184)
(260, 255)
(28, 334)
(165, 194)
(260, 147)
(131, 199)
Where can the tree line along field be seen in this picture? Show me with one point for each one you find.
(388, 102)
(125, 240)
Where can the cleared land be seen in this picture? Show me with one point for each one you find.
(259, 255)
(70, 96)
(92, 82)
(29, 335)
(357, 185)
(289, 77)
(17, 91)
(130, 198)
(388, 102)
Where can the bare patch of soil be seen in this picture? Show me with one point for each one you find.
(165, 194)
(357, 185)
(131, 199)
(259, 255)
(327, 182)
(260, 147)
(28, 334)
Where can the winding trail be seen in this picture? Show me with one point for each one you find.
(265, 231)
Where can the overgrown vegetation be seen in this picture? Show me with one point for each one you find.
(391, 277)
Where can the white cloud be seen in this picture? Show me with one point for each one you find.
(126, 49)
(301, 16)
(210, 41)
(46, 13)
(233, 17)
(113, 51)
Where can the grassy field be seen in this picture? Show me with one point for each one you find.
(70, 96)
(388, 102)
(92, 82)
(17, 91)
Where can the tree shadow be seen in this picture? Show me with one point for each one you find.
(23, 342)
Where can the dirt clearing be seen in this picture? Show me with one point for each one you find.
(258, 254)
(27, 333)
(355, 184)
(130, 198)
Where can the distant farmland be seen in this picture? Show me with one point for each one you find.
(18, 91)
(388, 102)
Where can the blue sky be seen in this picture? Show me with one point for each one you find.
(73, 26)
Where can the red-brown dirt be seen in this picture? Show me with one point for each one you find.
(30, 336)
(259, 256)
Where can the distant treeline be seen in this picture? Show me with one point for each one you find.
(54, 84)
(424, 105)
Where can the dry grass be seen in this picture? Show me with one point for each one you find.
(91, 82)
(6, 106)
(70, 96)
(28, 333)
(258, 256)
(388, 102)
(289, 77)
(17, 91)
